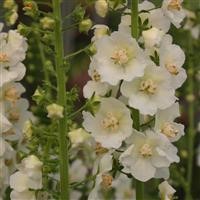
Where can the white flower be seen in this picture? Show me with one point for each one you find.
(111, 124)
(172, 59)
(151, 92)
(149, 152)
(55, 111)
(152, 37)
(174, 11)
(5, 125)
(78, 136)
(101, 7)
(161, 22)
(13, 49)
(19, 181)
(103, 180)
(99, 31)
(11, 92)
(119, 57)
(123, 188)
(17, 114)
(97, 88)
(166, 125)
(25, 195)
(166, 191)
(77, 171)
(31, 166)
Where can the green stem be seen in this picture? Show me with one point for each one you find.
(135, 113)
(77, 52)
(191, 128)
(43, 61)
(61, 98)
(134, 18)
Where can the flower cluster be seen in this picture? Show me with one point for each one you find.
(28, 177)
(13, 108)
(129, 75)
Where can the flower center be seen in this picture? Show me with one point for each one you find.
(3, 57)
(99, 150)
(146, 150)
(96, 76)
(110, 122)
(11, 94)
(172, 69)
(14, 116)
(120, 56)
(169, 130)
(106, 181)
(174, 5)
(148, 86)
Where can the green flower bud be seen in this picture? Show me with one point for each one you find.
(85, 25)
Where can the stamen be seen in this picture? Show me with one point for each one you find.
(174, 5)
(148, 86)
(110, 122)
(146, 150)
(172, 69)
(120, 56)
(169, 130)
(3, 58)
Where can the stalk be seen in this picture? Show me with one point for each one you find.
(191, 128)
(135, 113)
(61, 100)
(191, 114)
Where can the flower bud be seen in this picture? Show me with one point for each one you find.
(13, 18)
(30, 8)
(152, 37)
(9, 4)
(47, 23)
(99, 31)
(101, 7)
(78, 136)
(55, 111)
(85, 25)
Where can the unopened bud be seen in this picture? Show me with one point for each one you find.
(101, 7)
(55, 111)
(47, 23)
(85, 25)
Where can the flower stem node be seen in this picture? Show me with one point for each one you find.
(55, 111)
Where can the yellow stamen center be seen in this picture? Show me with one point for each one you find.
(106, 181)
(99, 150)
(3, 58)
(120, 56)
(96, 76)
(110, 122)
(14, 116)
(169, 130)
(172, 69)
(174, 5)
(11, 94)
(146, 150)
(148, 86)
